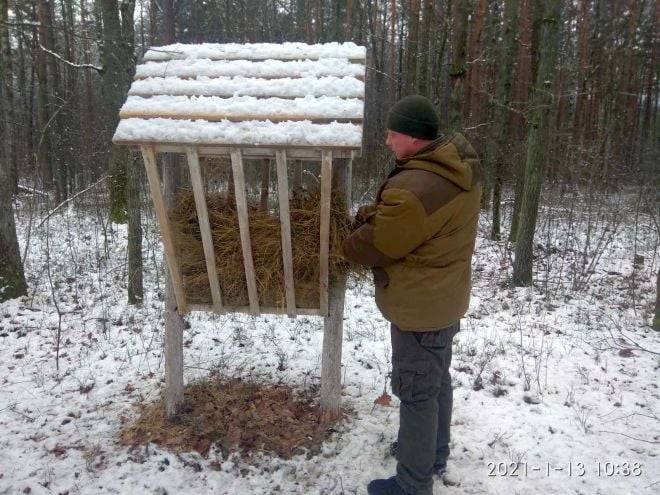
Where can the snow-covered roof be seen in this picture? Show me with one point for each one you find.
(289, 95)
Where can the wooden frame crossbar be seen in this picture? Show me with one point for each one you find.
(285, 223)
(324, 251)
(204, 227)
(264, 310)
(149, 158)
(244, 226)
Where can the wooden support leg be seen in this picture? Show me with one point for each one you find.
(333, 333)
(333, 323)
(173, 316)
(173, 353)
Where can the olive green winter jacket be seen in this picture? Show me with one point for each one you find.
(419, 236)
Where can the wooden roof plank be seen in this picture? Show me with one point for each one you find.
(257, 133)
(256, 51)
(268, 69)
(217, 117)
(345, 87)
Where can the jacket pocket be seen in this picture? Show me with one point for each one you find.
(410, 380)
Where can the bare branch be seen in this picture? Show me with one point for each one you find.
(71, 64)
(628, 436)
(381, 72)
(71, 199)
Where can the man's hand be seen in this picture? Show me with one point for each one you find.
(363, 215)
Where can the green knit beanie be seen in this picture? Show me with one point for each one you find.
(414, 116)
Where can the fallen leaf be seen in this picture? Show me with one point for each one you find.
(384, 400)
(626, 353)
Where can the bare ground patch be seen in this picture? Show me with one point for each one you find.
(237, 415)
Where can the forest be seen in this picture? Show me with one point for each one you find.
(560, 98)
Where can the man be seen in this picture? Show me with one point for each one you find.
(418, 239)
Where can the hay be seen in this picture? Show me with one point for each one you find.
(234, 415)
(266, 249)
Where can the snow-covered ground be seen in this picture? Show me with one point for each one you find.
(568, 401)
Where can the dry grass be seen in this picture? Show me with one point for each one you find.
(237, 416)
(266, 249)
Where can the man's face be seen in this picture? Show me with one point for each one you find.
(401, 145)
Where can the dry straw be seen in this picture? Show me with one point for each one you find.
(266, 249)
(235, 415)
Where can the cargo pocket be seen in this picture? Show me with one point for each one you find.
(410, 380)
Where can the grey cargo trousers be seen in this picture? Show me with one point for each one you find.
(422, 382)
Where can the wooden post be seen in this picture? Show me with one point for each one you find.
(333, 324)
(285, 223)
(324, 254)
(173, 319)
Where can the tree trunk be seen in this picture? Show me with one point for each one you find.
(168, 27)
(457, 71)
(424, 42)
(412, 48)
(537, 142)
(153, 22)
(392, 50)
(520, 100)
(651, 88)
(43, 106)
(134, 210)
(7, 104)
(119, 66)
(476, 82)
(656, 319)
(500, 149)
(12, 278)
(87, 116)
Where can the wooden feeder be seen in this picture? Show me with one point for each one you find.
(288, 101)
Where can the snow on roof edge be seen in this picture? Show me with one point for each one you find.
(245, 133)
(255, 51)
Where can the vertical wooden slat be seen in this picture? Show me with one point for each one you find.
(285, 224)
(244, 226)
(204, 226)
(149, 158)
(326, 190)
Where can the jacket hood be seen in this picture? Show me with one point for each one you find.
(452, 158)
